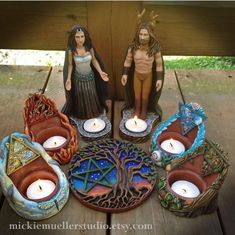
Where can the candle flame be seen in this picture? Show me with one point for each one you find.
(94, 122)
(135, 119)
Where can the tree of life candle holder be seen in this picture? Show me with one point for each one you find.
(112, 175)
(192, 183)
(185, 130)
(31, 180)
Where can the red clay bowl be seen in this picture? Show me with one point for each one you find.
(184, 174)
(43, 135)
(176, 136)
(35, 175)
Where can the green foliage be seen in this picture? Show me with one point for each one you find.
(171, 201)
(200, 62)
(162, 183)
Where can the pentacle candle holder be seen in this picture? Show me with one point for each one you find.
(31, 180)
(111, 175)
(134, 129)
(180, 135)
(49, 127)
(94, 128)
(192, 184)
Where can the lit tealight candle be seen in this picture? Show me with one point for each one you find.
(136, 125)
(185, 188)
(94, 125)
(54, 142)
(173, 146)
(40, 189)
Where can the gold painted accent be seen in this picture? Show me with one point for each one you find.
(17, 154)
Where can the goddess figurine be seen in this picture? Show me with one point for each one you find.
(85, 81)
(143, 71)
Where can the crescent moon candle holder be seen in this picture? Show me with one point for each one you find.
(22, 163)
(112, 176)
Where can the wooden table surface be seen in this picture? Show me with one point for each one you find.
(214, 90)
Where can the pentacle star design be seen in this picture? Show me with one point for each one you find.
(88, 175)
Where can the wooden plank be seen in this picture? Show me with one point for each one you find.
(16, 83)
(98, 25)
(39, 25)
(123, 24)
(215, 90)
(73, 214)
(202, 28)
(151, 213)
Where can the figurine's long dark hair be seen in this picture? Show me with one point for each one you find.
(71, 38)
(154, 45)
(101, 85)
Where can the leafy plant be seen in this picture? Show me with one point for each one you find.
(200, 62)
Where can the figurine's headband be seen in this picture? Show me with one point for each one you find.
(78, 28)
(151, 21)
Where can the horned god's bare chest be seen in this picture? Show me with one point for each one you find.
(140, 55)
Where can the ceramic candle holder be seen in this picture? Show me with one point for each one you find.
(172, 129)
(51, 132)
(204, 170)
(43, 121)
(94, 125)
(134, 129)
(31, 177)
(180, 175)
(170, 135)
(23, 162)
(94, 128)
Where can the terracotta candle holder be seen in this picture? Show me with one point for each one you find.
(185, 176)
(31, 180)
(56, 131)
(34, 176)
(172, 129)
(47, 126)
(192, 184)
(169, 135)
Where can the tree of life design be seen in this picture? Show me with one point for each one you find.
(129, 169)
